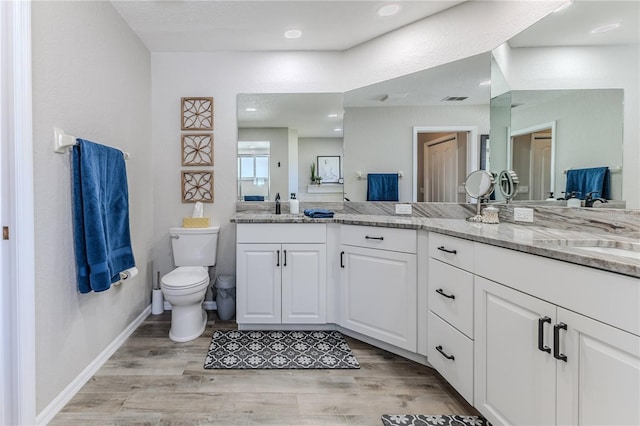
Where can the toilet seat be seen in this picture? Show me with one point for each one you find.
(185, 277)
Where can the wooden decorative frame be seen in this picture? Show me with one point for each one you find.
(197, 149)
(197, 185)
(197, 113)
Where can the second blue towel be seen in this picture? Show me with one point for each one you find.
(318, 213)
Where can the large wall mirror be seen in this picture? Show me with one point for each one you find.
(558, 99)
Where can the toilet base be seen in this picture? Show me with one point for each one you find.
(186, 329)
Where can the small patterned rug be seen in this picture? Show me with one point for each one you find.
(233, 349)
(422, 420)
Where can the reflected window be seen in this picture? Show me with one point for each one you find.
(253, 169)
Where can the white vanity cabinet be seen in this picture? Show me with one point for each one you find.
(281, 274)
(379, 283)
(555, 343)
(450, 320)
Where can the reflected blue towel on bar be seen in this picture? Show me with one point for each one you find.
(583, 181)
(382, 187)
(100, 216)
(254, 197)
(318, 213)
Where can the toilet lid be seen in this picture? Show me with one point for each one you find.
(185, 277)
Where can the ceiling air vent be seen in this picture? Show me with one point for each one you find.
(454, 98)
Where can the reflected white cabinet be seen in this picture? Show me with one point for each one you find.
(281, 282)
(379, 284)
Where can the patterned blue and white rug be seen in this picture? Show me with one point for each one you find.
(422, 420)
(233, 349)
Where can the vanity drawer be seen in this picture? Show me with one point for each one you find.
(281, 233)
(451, 250)
(458, 371)
(451, 295)
(402, 240)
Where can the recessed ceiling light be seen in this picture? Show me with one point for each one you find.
(605, 28)
(485, 83)
(332, 115)
(293, 34)
(563, 7)
(252, 146)
(250, 109)
(337, 129)
(389, 10)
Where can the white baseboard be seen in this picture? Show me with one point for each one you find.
(69, 392)
(207, 305)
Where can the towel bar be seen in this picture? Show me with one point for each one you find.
(611, 170)
(360, 177)
(62, 141)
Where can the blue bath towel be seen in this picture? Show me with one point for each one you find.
(318, 213)
(584, 181)
(382, 187)
(254, 197)
(100, 216)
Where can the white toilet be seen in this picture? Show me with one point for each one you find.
(194, 250)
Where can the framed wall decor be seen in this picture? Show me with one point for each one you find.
(197, 149)
(197, 113)
(197, 185)
(329, 168)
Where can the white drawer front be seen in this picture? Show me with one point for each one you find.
(402, 240)
(458, 371)
(451, 250)
(281, 233)
(451, 295)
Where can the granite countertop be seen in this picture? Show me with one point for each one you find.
(554, 243)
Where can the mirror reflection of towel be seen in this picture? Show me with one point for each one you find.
(584, 181)
(382, 187)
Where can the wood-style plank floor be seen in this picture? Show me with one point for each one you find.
(151, 380)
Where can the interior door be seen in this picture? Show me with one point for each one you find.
(540, 180)
(441, 169)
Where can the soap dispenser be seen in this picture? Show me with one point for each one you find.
(294, 204)
(278, 203)
(574, 201)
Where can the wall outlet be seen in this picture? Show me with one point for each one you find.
(403, 208)
(461, 189)
(521, 214)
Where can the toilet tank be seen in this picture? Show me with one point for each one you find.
(194, 246)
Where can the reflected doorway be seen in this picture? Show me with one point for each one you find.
(531, 154)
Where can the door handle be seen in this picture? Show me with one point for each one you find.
(374, 238)
(556, 341)
(278, 258)
(451, 357)
(541, 323)
(285, 258)
(446, 250)
(442, 293)
(342, 259)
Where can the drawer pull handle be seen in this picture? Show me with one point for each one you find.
(451, 357)
(442, 293)
(342, 259)
(446, 250)
(556, 341)
(374, 238)
(278, 258)
(541, 345)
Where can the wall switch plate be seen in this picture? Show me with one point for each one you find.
(403, 208)
(521, 214)
(523, 189)
(461, 189)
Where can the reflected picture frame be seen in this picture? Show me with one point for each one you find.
(329, 168)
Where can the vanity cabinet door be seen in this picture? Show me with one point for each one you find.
(515, 381)
(379, 290)
(304, 284)
(258, 288)
(599, 383)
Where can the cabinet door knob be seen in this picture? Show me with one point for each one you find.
(556, 341)
(342, 259)
(442, 293)
(446, 250)
(541, 345)
(439, 349)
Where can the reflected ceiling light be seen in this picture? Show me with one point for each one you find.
(252, 146)
(293, 34)
(332, 115)
(389, 10)
(563, 7)
(337, 129)
(605, 28)
(250, 109)
(485, 83)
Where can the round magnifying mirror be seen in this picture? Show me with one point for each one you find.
(479, 185)
(508, 183)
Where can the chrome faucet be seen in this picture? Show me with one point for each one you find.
(589, 201)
